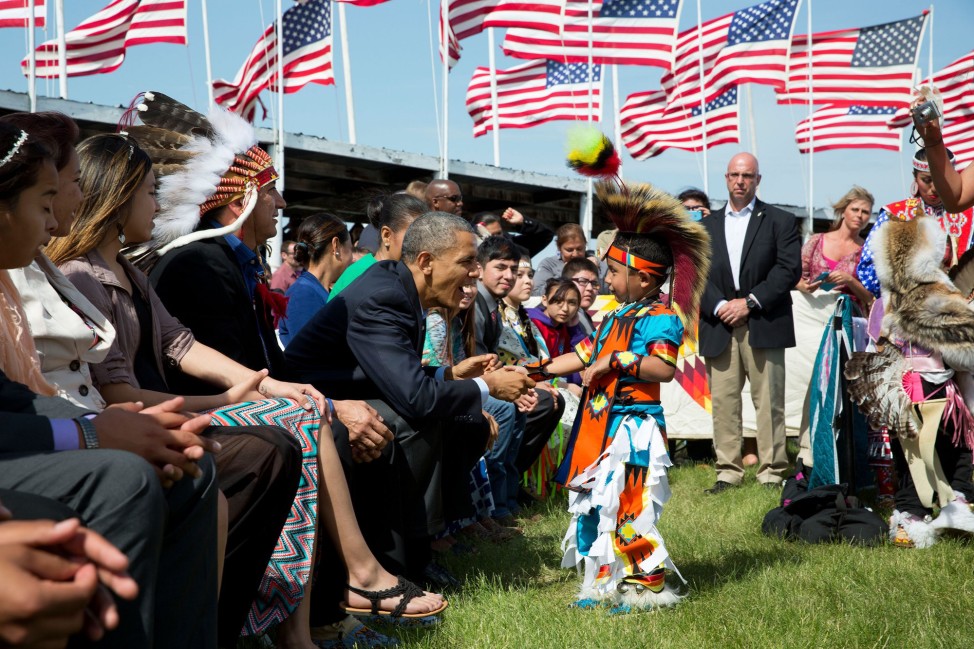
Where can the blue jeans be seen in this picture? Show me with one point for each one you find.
(501, 466)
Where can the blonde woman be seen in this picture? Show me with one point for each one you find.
(831, 258)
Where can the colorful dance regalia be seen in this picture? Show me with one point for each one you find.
(959, 228)
(918, 379)
(615, 468)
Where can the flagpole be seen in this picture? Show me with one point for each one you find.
(444, 156)
(752, 127)
(347, 69)
(615, 106)
(32, 59)
(811, 129)
(591, 69)
(930, 52)
(703, 101)
(206, 52)
(494, 117)
(279, 158)
(587, 215)
(62, 49)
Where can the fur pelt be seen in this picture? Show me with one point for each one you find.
(962, 275)
(922, 305)
(643, 209)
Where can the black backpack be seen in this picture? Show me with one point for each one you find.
(823, 515)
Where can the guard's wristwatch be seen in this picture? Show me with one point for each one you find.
(751, 304)
(88, 432)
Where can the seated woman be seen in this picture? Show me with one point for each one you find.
(830, 259)
(324, 248)
(571, 242)
(118, 206)
(522, 343)
(390, 215)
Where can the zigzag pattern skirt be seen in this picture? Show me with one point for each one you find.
(287, 575)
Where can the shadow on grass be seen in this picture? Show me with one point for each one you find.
(705, 575)
(522, 561)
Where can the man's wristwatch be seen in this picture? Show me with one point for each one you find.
(88, 432)
(751, 304)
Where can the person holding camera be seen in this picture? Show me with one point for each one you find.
(956, 189)
(924, 199)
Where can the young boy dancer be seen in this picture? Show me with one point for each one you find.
(616, 464)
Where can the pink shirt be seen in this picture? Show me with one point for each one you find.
(283, 277)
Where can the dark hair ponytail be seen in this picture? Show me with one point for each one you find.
(314, 236)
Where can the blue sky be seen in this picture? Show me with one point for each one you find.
(396, 103)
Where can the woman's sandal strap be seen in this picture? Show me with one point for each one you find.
(405, 588)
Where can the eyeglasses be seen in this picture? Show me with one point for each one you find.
(584, 283)
(456, 198)
(740, 176)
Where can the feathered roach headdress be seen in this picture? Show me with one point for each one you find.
(642, 211)
(200, 163)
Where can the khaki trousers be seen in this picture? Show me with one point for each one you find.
(765, 369)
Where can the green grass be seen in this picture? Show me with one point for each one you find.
(745, 590)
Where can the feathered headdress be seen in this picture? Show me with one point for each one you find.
(644, 211)
(200, 163)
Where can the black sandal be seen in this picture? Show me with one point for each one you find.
(404, 588)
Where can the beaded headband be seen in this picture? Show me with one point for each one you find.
(253, 167)
(15, 148)
(631, 260)
(924, 166)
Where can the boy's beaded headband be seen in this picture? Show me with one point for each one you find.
(631, 260)
(14, 149)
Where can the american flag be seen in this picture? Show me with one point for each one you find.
(871, 66)
(849, 127)
(97, 45)
(470, 17)
(14, 13)
(307, 59)
(636, 32)
(959, 138)
(956, 85)
(747, 46)
(649, 126)
(534, 93)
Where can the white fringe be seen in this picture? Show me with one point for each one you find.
(955, 515)
(920, 532)
(605, 480)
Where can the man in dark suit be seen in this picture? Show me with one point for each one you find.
(746, 322)
(368, 343)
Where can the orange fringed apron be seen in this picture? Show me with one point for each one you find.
(591, 433)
